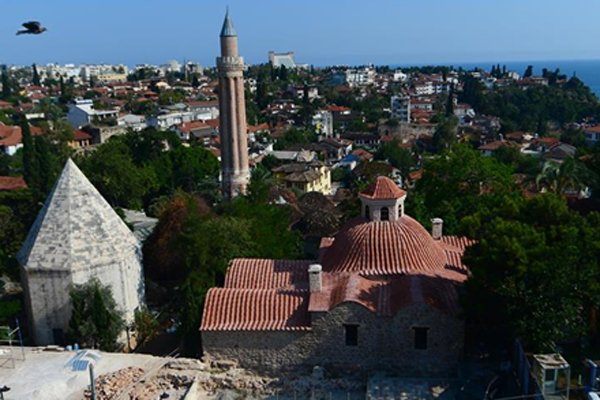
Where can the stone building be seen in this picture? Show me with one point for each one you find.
(232, 114)
(76, 236)
(383, 294)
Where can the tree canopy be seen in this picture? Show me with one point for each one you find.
(96, 321)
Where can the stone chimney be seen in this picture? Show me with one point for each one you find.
(437, 225)
(315, 280)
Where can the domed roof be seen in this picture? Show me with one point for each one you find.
(383, 189)
(385, 248)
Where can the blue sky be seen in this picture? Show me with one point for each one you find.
(319, 31)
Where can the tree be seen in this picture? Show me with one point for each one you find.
(528, 71)
(6, 84)
(538, 270)
(464, 188)
(31, 164)
(569, 176)
(445, 133)
(397, 156)
(95, 321)
(145, 326)
(36, 77)
(113, 172)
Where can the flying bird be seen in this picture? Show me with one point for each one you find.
(32, 27)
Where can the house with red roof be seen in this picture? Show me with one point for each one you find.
(381, 295)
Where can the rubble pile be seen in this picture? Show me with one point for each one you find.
(108, 386)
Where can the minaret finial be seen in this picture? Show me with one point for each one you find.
(227, 29)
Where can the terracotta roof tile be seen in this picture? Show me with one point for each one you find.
(383, 189)
(255, 310)
(12, 183)
(81, 135)
(260, 273)
(384, 296)
(379, 248)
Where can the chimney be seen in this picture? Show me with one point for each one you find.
(437, 225)
(315, 280)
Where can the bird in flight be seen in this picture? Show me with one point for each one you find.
(32, 27)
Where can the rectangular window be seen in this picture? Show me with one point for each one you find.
(421, 338)
(351, 335)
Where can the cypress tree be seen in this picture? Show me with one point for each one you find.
(31, 167)
(6, 92)
(36, 77)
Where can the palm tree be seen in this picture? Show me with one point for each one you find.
(562, 178)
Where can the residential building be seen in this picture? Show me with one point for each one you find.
(278, 60)
(592, 134)
(400, 107)
(306, 177)
(82, 113)
(323, 123)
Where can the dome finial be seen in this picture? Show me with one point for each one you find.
(227, 29)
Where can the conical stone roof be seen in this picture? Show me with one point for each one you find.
(76, 229)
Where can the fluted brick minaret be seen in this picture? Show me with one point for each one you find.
(232, 114)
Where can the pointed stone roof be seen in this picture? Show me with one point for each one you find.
(76, 228)
(228, 29)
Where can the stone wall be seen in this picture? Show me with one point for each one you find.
(383, 343)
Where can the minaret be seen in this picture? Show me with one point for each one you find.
(232, 114)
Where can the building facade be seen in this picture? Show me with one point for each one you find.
(232, 115)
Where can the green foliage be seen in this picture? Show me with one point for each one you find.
(538, 270)
(397, 156)
(96, 321)
(17, 212)
(533, 108)
(295, 136)
(36, 77)
(145, 326)
(445, 133)
(9, 309)
(113, 172)
(464, 188)
(171, 97)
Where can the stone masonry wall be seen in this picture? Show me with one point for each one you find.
(383, 343)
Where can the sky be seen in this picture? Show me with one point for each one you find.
(320, 32)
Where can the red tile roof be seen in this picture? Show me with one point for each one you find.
(255, 310)
(10, 135)
(260, 273)
(383, 189)
(187, 127)
(379, 248)
(384, 296)
(80, 135)
(12, 183)
(593, 129)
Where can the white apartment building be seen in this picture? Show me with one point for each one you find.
(400, 106)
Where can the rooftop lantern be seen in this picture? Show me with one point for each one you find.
(383, 200)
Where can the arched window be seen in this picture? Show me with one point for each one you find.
(385, 214)
(367, 213)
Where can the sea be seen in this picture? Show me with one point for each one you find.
(586, 70)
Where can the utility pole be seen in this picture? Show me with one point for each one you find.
(92, 382)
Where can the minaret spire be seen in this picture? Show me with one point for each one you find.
(232, 114)
(227, 29)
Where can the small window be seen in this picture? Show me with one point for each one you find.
(351, 335)
(421, 338)
(385, 214)
(367, 213)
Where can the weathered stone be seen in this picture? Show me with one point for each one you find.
(76, 236)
